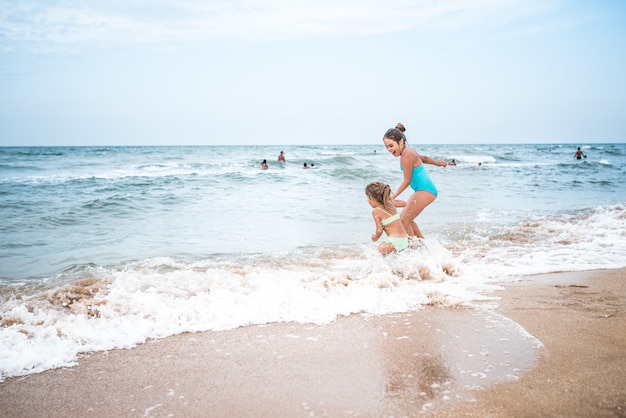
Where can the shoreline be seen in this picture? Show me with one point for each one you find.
(581, 319)
(433, 362)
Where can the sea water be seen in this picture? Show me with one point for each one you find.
(107, 247)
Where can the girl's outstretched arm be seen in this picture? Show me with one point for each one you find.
(428, 160)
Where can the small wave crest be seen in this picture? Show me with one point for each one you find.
(475, 159)
(125, 305)
(545, 244)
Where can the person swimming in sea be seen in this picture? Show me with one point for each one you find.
(579, 154)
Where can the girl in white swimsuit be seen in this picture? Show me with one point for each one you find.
(386, 218)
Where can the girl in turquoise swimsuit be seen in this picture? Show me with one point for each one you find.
(386, 218)
(412, 165)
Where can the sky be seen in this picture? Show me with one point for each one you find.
(238, 72)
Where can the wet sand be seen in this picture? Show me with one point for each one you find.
(434, 362)
(581, 320)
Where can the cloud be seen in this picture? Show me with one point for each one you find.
(71, 24)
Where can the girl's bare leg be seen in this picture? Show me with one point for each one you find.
(414, 206)
(412, 230)
(416, 230)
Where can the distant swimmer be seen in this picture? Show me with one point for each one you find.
(306, 167)
(264, 165)
(579, 154)
(281, 157)
(452, 162)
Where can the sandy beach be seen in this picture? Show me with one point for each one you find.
(435, 362)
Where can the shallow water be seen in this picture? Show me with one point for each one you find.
(104, 247)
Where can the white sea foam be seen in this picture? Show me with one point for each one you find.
(159, 297)
(128, 304)
(475, 159)
(588, 240)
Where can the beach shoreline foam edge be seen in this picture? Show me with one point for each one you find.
(433, 362)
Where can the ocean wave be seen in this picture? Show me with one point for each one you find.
(475, 159)
(568, 241)
(111, 247)
(13, 168)
(128, 304)
(90, 308)
(32, 151)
